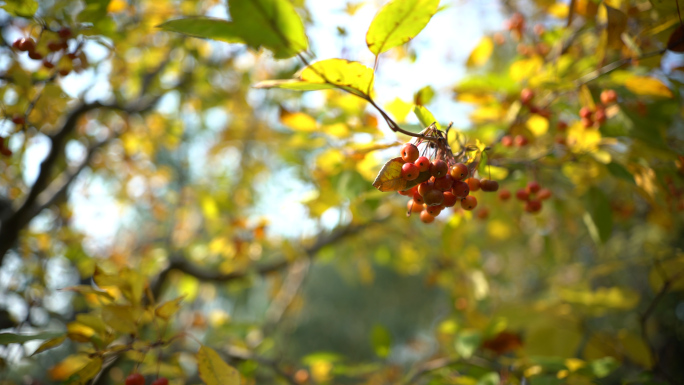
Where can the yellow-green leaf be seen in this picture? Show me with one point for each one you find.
(425, 116)
(168, 308)
(399, 109)
(120, 318)
(213, 370)
(348, 75)
(389, 178)
(398, 22)
(649, 86)
(481, 54)
(49, 344)
(273, 24)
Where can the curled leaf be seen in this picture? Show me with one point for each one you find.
(389, 178)
(350, 76)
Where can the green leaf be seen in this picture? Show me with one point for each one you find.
(600, 213)
(273, 24)
(11, 338)
(423, 96)
(425, 116)
(603, 366)
(350, 76)
(204, 27)
(620, 171)
(21, 8)
(382, 340)
(213, 370)
(49, 344)
(389, 178)
(398, 22)
(467, 342)
(491, 378)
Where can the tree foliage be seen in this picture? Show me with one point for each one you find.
(244, 232)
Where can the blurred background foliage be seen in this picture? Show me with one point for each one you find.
(144, 162)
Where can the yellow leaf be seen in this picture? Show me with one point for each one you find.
(526, 68)
(482, 52)
(498, 229)
(649, 86)
(338, 130)
(635, 348)
(487, 114)
(665, 271)
(539, 125)
(213, 370)
(117, 6)
(88, 372)
(585, 97)
(298, 121)
(67, 367)
(559, 10)
(475, 98)
(399, 109)
(49, 344)
(168, 308)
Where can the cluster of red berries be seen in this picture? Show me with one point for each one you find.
(597, 117)
(516, 25)
(446, 186)
(138, 379)
(532, 195)
(49, 52)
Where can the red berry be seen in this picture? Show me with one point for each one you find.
(423, 164)
(468, 203)
(135, 379)
(425, 217)
(608, 97)
(600, 116)
(409, 153)
(544, 194)
(526, 95)
(54, 46)
(35, 55)
(409, 192)
(483, 213)
(65, 33)
(409, 171)
(47, 64)
(473, 184)
(414, 207)
(520, 140)
(587, 122)
(449, 199)
(434, 210)
(585, 112)
(522, 194)
(460, 189)
(507, 141)
(424, 187)
(561, 125)
(533, 206)
(504, 195)
(533, 187)
(459, 171)
(418, 198)
(489, 185)
(64, 71)
(438, 168)
(434, 197)
(18, 120)
(25, 44)
(5, 151)
(161, 381)
(444, 183)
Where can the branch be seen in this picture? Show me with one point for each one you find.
(14, 222)
(613, 66)
(178, 262)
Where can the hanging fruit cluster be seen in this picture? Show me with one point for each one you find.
(52, 47)
(433, 176)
